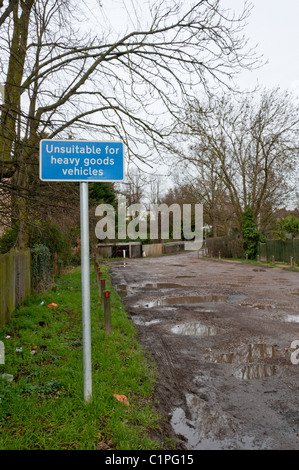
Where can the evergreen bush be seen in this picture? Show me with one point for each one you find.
(251, 235)
(42, 267)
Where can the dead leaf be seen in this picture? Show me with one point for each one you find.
(122, 398)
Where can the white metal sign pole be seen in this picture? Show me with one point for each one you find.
(82, 161)
(85, 283)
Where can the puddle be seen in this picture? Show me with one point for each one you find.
(162, 285)
(292, 318)
(196, 329)
(258, 371)
(178, 277)
(236, 298)
(204, 310)
(258, 306)
(125, 289)
(183, 300)
(204, 421)
(196, 299)
(208, 427)
(250, 353)
(246, 357)
(140, 322)
(234, 285)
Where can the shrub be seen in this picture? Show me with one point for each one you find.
(50, 235)
(42, 267)
(251, 235)
(229, 247)
(8, 239)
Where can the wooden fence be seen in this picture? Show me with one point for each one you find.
(280, 250)
(15, 281)
(226, 247)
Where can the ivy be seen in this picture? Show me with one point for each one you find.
(8, 239)
(41, 267)
(50, 235)
(251, 235)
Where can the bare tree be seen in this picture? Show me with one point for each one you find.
(61, 80)
(133, 187)
(7, 10)
(250, 143)
(207, 188)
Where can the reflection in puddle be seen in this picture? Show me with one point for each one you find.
(204, 421)
(125, 289)
(184, 300)
(161, 285)
(257, 371)
(196, 329)
(236, 298)
(196, 299)
(178, 277)
(292, 318)
(249, 354)
(258, 306)
(234, 285)
(246, 356)
(139, 321)
(208, 427)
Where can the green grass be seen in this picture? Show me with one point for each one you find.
(43, 406)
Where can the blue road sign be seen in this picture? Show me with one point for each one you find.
(71, 160)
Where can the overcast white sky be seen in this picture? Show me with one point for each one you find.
(273, 26)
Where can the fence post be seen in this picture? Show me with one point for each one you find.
(258, 258)
(107, 311)
(291, 261)
(102, 290)
(100, 285)
(99, 274)
(15, 281)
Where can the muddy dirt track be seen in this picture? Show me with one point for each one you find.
(221, 334)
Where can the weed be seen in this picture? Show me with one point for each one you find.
(43, 407)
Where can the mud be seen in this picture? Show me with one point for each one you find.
(221, 334)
